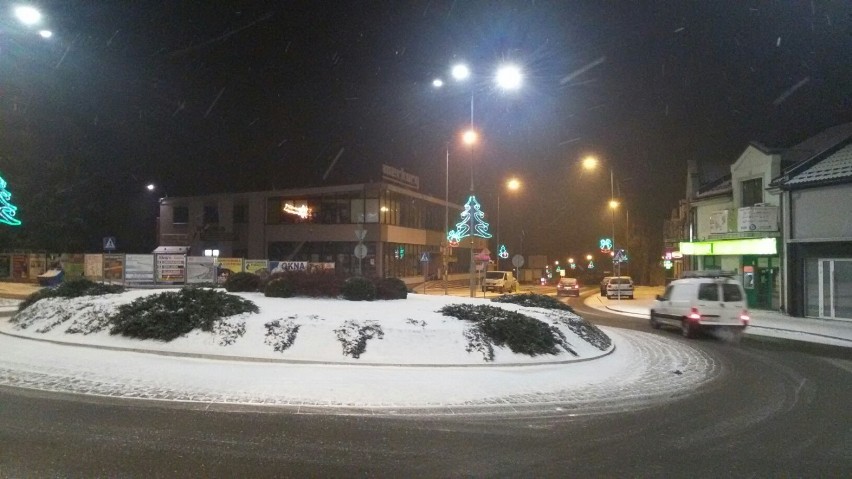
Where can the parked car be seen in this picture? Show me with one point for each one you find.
(708, 302)
(619, 287)
(568, 286)
(603, 284)
(501, 281)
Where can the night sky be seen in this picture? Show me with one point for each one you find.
(214, 96)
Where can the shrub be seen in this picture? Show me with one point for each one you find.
(316, 284)
(242, 283)
(166, 316)
(391, 288)
(532, 300)
(72, 289)
(281, 287)
(500, 327)
(358, 288)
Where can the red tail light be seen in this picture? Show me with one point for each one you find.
(694, 314)
(744, 317)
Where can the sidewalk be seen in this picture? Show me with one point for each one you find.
(763, 323)
(17, 290)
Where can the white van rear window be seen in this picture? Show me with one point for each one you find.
(732, 292)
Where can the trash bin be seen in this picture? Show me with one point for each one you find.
(51, 277)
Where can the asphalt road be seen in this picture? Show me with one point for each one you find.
(780, 409)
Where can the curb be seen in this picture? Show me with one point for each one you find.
(248, 359)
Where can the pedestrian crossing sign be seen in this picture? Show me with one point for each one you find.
(424, 258)
(109, 243)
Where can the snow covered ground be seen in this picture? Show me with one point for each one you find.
(420, 360)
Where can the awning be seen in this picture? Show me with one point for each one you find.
(171, 250)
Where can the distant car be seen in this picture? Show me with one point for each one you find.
(619, 287)
(603, 284)
(709, 301)
(568, 287)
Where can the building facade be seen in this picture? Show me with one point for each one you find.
(735, 227)
(782, 221)
(376, 228)
(816, 199)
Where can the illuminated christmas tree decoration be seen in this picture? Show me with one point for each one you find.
(7, 209)
(474, 215)
(503, 252)
(591, 265)
(301, 211)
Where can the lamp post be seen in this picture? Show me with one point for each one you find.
(512, 184)
(590, 163)
(470, 137)
(507, 77)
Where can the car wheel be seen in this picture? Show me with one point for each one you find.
(687, 328)
(654, 323)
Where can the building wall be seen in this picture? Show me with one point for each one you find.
(703, 211)
(752, 164)
(809, 218)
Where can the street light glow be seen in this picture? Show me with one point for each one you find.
(588, 257)
(28, 15)
(613, 204)
(437, 83)
(590, 162)
(513, 184)
(45, 33)
(460, 72)
(469, 137)
(151, 187)
(509, 77)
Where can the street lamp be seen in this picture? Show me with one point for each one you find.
(31, 16)
(591, 163)
(512, 184)
(508, 77)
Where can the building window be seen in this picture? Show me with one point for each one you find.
(211, 214)
(180, 215)
(752, 192)
(240, 214)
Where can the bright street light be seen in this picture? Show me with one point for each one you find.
(513, 184)
(470, 137)
(613, 204)
(509, 77)
(151, 187)
(45, 33)
(28, 15)
(460, 72)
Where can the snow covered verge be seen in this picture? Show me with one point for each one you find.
(412, 331)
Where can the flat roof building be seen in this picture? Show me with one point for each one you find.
(396, 226)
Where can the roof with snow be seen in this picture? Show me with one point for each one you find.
(835, 168)
(718, 187)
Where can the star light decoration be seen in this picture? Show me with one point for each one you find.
(472, 214)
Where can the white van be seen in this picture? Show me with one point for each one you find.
(501, 281)
(711, 300)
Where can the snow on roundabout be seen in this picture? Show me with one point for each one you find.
(421, 363)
